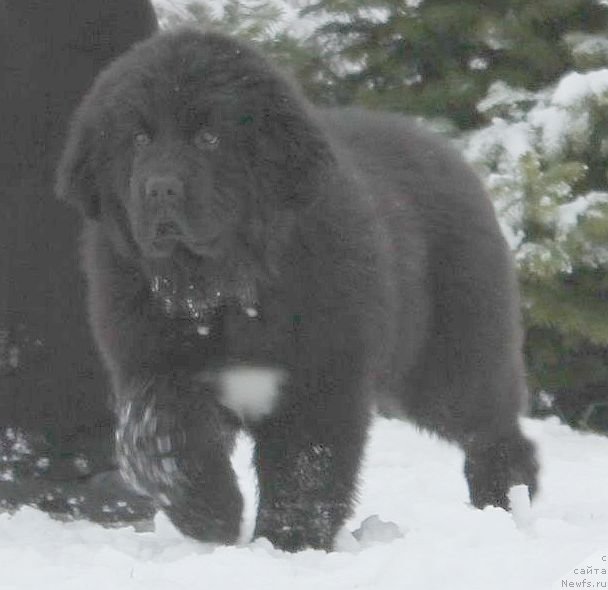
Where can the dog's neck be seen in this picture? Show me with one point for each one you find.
(196, 292)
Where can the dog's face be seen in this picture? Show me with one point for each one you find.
(192, 144)
(176, 192)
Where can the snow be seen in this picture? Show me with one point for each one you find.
(559, 117)
(290, 20)
(528, 134)
(570, 212)
(574, 87)
(413, 527)
(585, 45)
(414, 530)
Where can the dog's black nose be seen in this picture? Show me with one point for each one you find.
(164, 190)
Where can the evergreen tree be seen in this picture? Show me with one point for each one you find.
(545, 157)
(438, 58)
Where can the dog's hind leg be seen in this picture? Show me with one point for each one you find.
(469, 384)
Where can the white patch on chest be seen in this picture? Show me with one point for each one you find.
(251, 392)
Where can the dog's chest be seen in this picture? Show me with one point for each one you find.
(250, 392)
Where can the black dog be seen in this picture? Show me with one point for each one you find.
(255, 262)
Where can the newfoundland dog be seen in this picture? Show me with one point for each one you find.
(255, 262)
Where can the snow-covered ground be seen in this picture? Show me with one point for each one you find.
(422, 534)
(410, 479)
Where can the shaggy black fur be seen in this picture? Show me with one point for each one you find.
(367, 251)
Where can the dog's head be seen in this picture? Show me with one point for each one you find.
(192, 142)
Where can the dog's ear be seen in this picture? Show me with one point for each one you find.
(293, 152)
(307, 155)
(75, 180)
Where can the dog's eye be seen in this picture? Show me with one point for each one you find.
(206, 140)
(141, 139)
